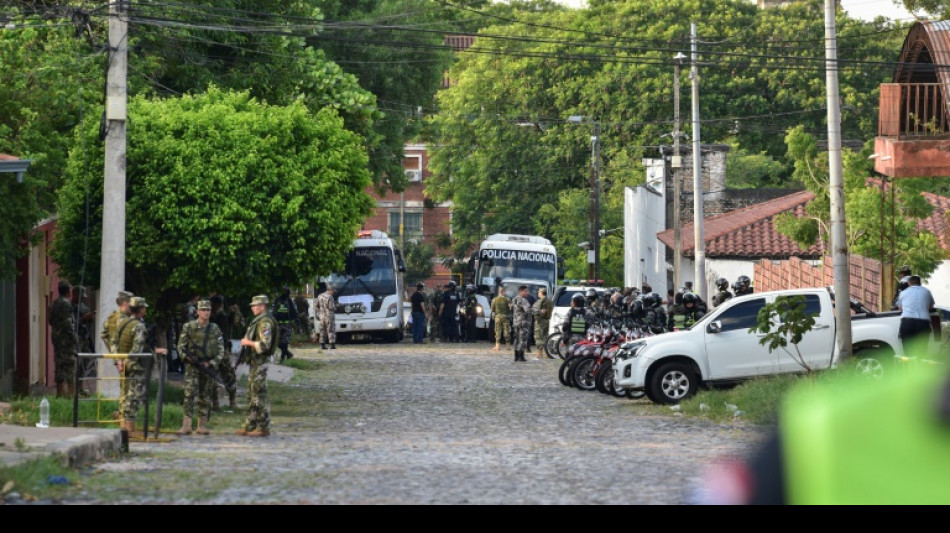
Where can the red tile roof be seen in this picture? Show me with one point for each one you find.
(750, 233)
(5, 157)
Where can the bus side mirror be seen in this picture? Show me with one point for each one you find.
(400, 262)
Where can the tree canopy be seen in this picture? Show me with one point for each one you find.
(225, 193)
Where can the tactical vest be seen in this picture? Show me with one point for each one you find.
(875, 442)
(260, 358)
(125, 334)
(203, 343)
(578, 323)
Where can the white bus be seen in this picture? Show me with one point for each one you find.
(508, 261)
(369, 292)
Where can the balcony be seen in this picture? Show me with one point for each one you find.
(913, 131)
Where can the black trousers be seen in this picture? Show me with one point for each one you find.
(914, 334)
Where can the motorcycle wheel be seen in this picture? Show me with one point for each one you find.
(604, 379)
(562, 372)
(584, 372)
(551, 345)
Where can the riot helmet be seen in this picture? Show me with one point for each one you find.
(744, 281)
(654, 300)
(578, 299)
(689, 298)
(591, 294)
(722, 284)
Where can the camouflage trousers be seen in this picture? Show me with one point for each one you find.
(226, 371)
(435, 326)
(198, 389)
(502, 329)
(132, 389)
(64, 362)
(326, 329)
(541, 331)
(258, 407)
(521, 333)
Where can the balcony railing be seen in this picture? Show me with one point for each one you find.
(913, 110)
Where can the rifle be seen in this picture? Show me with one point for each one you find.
(210, 372)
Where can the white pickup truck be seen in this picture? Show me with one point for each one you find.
(719, 350)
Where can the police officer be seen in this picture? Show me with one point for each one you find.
(447, 311)
(903, 274)
(521, 319)
(685, 315)
(501, 314)
(543, 308)
(62, 323)
(259, 344)
(285, 312)
(325, 309)
(202, 342)
(655, 315)
(131, 337)
(743, 286)
(471, 314)
(722, 294)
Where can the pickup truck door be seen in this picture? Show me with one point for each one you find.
(731, 350)
(818, 344)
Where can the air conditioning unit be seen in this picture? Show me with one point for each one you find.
(413, 176)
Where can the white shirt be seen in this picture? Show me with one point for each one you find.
(915, 302)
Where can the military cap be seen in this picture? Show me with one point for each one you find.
(137, 301)
(260, 300)
(204, 304)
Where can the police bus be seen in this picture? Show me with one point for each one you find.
(369, 291)
(509, 261)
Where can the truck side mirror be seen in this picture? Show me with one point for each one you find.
(714, 327)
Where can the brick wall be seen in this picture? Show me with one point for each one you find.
(794, 273)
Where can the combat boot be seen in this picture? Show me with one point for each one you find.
(333, 346)
(202, 430)
(496, 348)
(540, 354)
(185, 426)
(323, 346)
(242, 432)
(259, 433)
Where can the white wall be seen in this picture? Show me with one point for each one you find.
(730, 269)
(644, 216)
(939, 284)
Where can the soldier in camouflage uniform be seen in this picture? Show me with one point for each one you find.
(131, 337)
(109, 326)
(224, 321)
(62, 323)
(521, 319)
(203, 340)
(435, 323)
(542, 310)
(501, 313)
(325, 315)
(258, 345)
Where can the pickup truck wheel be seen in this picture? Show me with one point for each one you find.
(672, 383)
(870, 366)
(635, 394)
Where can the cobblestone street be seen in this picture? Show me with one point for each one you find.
(431, 424)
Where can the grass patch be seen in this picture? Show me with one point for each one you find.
(303, 364)
(32, 480)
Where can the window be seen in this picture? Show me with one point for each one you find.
(742, 316)
(812, 305)
(412, 226)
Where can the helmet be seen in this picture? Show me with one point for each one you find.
(470, 288)
(722, 284)
(744, 281)
(451, 285)
(653, 300)
(591, 294)
(689, 298)
(578, 299)
(904, 269)
(904, 283)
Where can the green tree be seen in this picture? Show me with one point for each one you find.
(226, 194)
(785, 322)
(48, 84)
(419, 265)
(868, 214)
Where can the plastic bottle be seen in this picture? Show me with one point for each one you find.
(44, 414)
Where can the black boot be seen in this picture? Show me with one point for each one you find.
(323, 346)
(516, 356)
(333, 346)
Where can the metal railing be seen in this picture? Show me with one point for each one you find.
(913, 110)
(98, 398)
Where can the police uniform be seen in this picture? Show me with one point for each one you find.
(501, 312)
(62, 323)
(263, 335)
(285, 312)
(521, 320)
(205, 342)
(131, 337)
(450, 304)
(325, 309)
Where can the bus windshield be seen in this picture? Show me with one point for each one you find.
(518, 264)
(369, 270)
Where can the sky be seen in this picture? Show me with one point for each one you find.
(860, 9)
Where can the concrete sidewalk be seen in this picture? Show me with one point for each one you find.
(76, 446)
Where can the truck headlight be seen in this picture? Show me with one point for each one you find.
(630, 350)
(391, 310)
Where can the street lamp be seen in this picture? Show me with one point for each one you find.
(593, 253)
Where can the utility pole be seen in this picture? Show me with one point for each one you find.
(839, 240)
(112, 271)
(402, 220)
(676, 164)
(699, 242)
(595, 176)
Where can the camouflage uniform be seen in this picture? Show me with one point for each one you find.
(263, 330)
(109, 328)
(225, 365)
(131, 336)
(325, 309)
(207, 344)
(435, 324)
(501, 312)
(521, 319)
(542, 309)
(62, 322)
